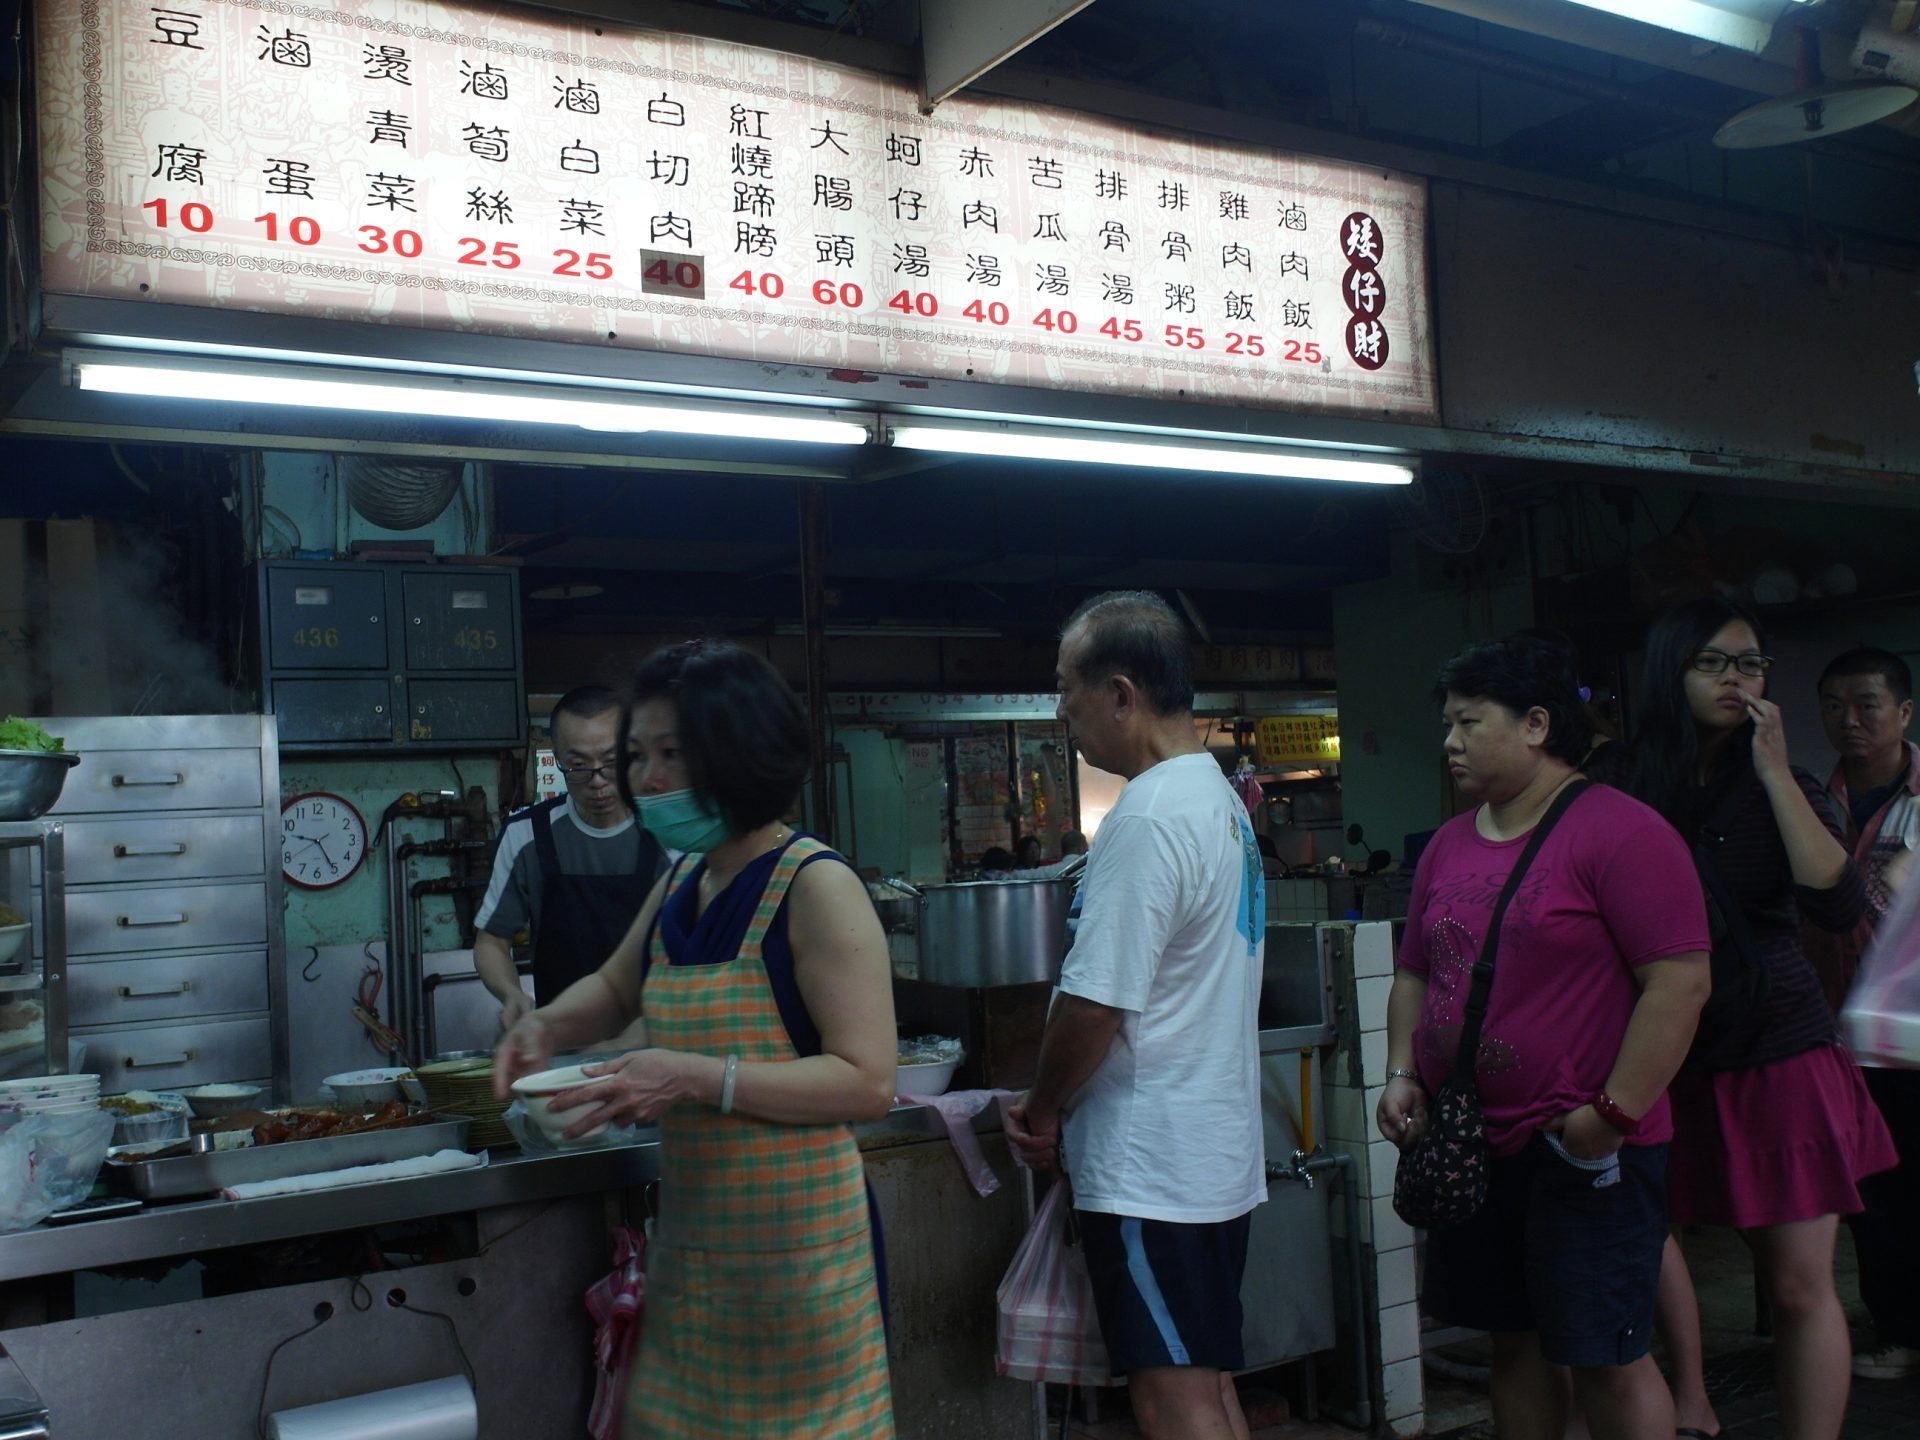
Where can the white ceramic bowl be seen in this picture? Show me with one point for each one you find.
(213, 1102)
(927, 1079)
(12, 937)
(366, 1089)
(536, 1092)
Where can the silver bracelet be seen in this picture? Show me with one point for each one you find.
(726, 1084)
(1413, 1075)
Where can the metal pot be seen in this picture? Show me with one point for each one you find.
(993, 932)
(30, 781)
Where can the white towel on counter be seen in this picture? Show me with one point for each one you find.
(440, 1161)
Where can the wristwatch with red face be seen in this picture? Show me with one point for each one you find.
(1611, 1112)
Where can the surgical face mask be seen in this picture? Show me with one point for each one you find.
(682, 820)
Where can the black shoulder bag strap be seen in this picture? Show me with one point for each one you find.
(1463, 1061)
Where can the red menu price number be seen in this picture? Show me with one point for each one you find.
(1064, 321)
(377, 240)
(192, 216)
(1116, 329)
(301, 229)
(594, 266)
(1188, 336)
(845, 294)
(915, 302)
(991, 312)
(765, 282)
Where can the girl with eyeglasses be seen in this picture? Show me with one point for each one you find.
(1773, 1127)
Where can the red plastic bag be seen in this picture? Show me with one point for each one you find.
(1047, 1326)
(616, 1303)
(1881, 1019)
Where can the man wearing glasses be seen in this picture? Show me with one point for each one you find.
(572, 870)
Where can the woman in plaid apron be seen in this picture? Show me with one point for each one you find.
(762, 975)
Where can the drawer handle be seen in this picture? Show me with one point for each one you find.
(159, 1062)
(129, 852)
(129, 922)
(140, 992)
(124, 781)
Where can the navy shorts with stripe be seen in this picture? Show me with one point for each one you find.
(1166, 1293)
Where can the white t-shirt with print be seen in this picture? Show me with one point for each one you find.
(1172, 929)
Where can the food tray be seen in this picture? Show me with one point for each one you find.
(185, 1175)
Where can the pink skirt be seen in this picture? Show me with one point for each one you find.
(1775, 1144)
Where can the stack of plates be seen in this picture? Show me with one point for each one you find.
(51, 1094)
(465, 1087)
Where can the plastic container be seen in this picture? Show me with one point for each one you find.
(155, 1119)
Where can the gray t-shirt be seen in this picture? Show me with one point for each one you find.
(513, 894)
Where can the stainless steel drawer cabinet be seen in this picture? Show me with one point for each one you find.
(166, 1057)
(174, 847)
(123, 781)
(175, 972)
(167, 987)
(177, 917)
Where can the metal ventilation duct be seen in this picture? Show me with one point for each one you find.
(396, 496)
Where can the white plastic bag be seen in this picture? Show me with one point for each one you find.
(1047, 1327)
(1881, 1017)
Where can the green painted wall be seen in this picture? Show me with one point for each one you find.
(356, 911)
(1391, 635)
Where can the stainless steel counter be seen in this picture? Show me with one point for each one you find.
(190, 1226)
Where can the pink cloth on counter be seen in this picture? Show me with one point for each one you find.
(956, 1109)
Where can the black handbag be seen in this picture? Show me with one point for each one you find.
(1442, 1180)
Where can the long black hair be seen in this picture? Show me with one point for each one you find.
(1666, 741)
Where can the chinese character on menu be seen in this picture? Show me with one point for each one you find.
(486, 144)
(911, 260)
(753, 161)
(486, 83)
(1045, 174)
(751, 239)
(288, 177)
(665, 111)
(754, 200)
(1116, 289)
(580, 159)
(907, 204)
(395, 192)
(180, 162)
(834, 250)
(388, 127)
(1234, 253)
(581, 97)
(668, 169)
(495, 207)
(1047, 226)
(1109, 185)
(828, 136)
(1297, 314)
(976, 162)
(387, 62)
(750, 123)
(670, 227)
(903, 149)
(288, 48)
(1050, 279)
(984, 270)
(1293, 263)
(1233, 205)
(1179, 298)
(1361, 241)
(582, 217)
(1177, 246)
(1113, 236)
(833, 192)
(1173, 195)
(176, 27)
(1293, 216)
(1364, 295)
(1239, 305)
(1367, 343)
(976, 212)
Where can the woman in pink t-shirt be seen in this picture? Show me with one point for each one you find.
(1600, 974)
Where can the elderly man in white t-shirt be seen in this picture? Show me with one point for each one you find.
(1151, 1057)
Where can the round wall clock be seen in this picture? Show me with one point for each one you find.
(323, 839)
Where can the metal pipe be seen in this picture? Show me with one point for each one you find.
(1303, 1167)
(813, 610)
(396, 987)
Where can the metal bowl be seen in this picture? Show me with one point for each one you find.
(30, 781)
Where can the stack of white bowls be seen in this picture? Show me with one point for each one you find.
(51, 1094)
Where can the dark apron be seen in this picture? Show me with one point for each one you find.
(582, 917)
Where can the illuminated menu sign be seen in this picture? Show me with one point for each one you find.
(511, 173)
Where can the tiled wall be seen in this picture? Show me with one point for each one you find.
(1361, 978)
(1290, 900)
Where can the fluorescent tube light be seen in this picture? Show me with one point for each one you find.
(451, 400)
(1225, 457)
(1743, 24)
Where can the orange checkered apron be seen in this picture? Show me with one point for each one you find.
(763, 1313)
